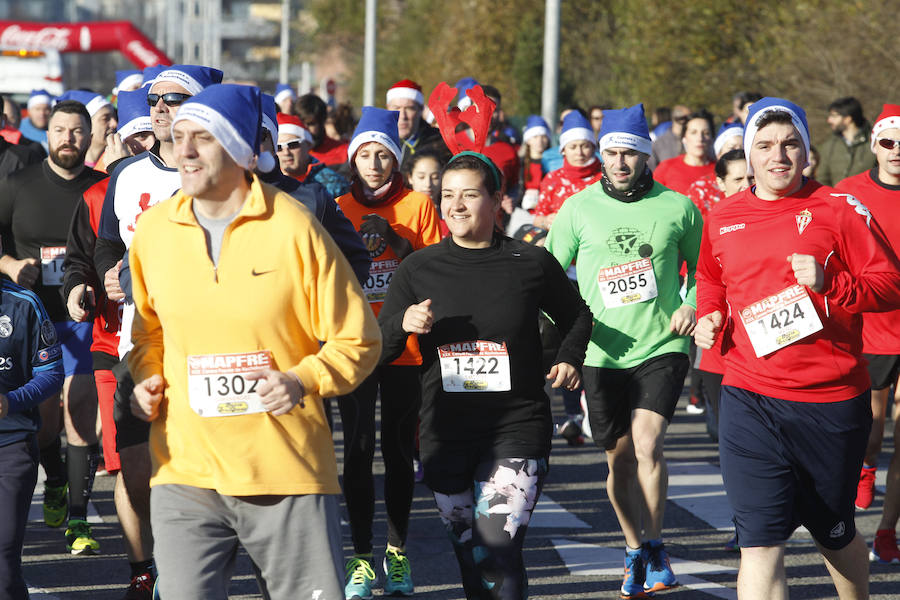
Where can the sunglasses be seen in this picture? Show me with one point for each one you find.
(888, 143)
(291, 145)
(170, 99)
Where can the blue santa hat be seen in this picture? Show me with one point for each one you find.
(130, 78)
(462, 86)
(576, 127)
(282, 91)
(767, 105)
(92, 101)
(150, 73)
(232, 113)
(625, 128)
(193, 78)
(376, 125)
(727, 131)
(535, 126)
(134, 113)
(39, 97)
(270, 115)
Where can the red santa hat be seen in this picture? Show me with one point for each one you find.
(406, 90)
(292, 125)
(888, 119)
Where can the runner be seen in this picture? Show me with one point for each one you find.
(796, 263)
(679, 172)
(393, 221)
(103, 123)
(485, 436)
(36, 207)
(293, 144)
(706, 192)
(34, 126)
(630, 236)
(880, 189)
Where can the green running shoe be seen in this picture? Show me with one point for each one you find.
(56, 504)
(360, 578)
(79, 539)
(398, 578)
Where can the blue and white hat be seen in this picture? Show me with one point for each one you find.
(462, 86)
(727, 131)
(270, 115)
(535, 126)
(770, 104)
(128, 79)
(39, 97)
(625, 128)
(232, 113)
(376, 125)
(282, 91)
(92, 101)
(134, 113)
(576, 127)
(193, 78)
(149, 74)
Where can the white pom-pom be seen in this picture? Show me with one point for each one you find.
(265, 162)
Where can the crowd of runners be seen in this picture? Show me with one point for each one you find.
(196, 272)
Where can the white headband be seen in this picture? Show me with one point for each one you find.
(38, 99)
(622, 139)
(534, 131)
(134, 126)
(220, 127)
(295, 130)
(96, 103)
(406, 94)
(576, 133)
(181, 78)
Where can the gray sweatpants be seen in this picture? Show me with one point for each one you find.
(294, 542)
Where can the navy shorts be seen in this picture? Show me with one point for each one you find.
(787, 464)
(75, 340)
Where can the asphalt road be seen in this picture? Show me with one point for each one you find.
(573, 547)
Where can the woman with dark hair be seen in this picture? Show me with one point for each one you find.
(679, 172)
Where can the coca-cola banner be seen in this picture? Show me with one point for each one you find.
(105, 36)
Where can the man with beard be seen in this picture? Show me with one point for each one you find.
(36, 206)
(103, 123)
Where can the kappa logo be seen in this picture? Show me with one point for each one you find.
(804, 218)
(837, 531)
(858, 206)
(731, 228)
(6, 327)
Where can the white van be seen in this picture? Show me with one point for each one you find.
(24, 70)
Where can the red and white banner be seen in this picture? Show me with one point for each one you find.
(97, 36)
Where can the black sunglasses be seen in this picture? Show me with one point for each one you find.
(291, 145)
(170, 99)
(888, 143)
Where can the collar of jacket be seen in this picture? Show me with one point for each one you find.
(256, 204)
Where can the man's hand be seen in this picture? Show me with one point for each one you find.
(807, 271)
(280, 392)
(4, 406)
(25, 272)
(74, 303)
(115, 148)
(564, 375)
(111, 283)
(683, 321)
(146, 398)
(707, 329)
(418, 318)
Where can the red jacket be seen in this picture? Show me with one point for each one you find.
(743, 260)
(558, 185)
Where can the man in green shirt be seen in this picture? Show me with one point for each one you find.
(628, 237)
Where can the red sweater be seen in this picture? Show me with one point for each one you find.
(558, 185)
(331, 152)
(677, 175)
(743, 260)
(881, 331)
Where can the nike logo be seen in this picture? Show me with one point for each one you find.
(256, 273)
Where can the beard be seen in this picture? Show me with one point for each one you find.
(67, 161)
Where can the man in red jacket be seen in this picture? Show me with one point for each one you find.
(795, 413)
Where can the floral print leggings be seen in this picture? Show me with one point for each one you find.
(487, 525)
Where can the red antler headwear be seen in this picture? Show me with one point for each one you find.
(477, 116)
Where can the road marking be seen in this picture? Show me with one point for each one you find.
(39, 594)
(549, 513)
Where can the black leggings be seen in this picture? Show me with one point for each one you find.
(18, 476)
(401, 396)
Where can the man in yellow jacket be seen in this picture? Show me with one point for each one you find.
(247, 314)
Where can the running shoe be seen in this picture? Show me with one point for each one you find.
(695, 407)
(141, 588)
(571, 430)
(419, 470)
(633, 582)
(398, 578)
(56, 504)
(884, 548)
(79, 539)
(585, 422)
(360, 578)
(865, 490)
(659, 575)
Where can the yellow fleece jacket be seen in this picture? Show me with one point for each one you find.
(281, 285)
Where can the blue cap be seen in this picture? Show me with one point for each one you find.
(134, 112)
(193, 78)
(150, 73)
(726, 131)
(92, 101)
(625, 128)
(376, 125)
(576, 127)
(128, 78)
(462, 86)
(282, 91)
(769, 104)
(39, 97)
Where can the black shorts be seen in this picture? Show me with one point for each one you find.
(130, 431)
(883, 369)
(613, 394)
(792, 463)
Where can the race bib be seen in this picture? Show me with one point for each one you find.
(380, 273)
(476, 366)
(780, 320)
(52, 265)
(627, 284)
(217, 386)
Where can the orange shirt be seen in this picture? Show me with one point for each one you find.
(413, 216)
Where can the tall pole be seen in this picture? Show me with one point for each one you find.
(550, 83)
(285, 40)
(369, 60)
